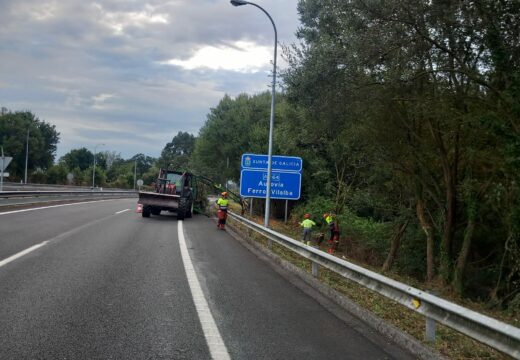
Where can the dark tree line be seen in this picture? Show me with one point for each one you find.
(424, 96)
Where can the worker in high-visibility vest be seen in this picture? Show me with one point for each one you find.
(329, 219)
(307, 225)
(222, 205)
(333, 225)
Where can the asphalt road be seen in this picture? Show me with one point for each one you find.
(108, 284)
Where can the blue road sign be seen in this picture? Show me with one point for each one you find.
(280, 163)
(284, 185)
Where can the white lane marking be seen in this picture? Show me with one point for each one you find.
(216, 345)
(48, 207)
(22, 253)
(56, 238)
(122, 211)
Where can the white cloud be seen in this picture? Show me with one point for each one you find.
(119, 20)
(99, 101)
(243, 56)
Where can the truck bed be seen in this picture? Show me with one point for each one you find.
(160, 200)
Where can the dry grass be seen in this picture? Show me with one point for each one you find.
(449, 343)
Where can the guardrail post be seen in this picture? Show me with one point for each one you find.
(431, 325)
(314, 269)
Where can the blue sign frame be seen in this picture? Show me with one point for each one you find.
(286, 177)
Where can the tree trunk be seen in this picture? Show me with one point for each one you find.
(427, 228)
(460, 267)
(394, 246)
(450, 180)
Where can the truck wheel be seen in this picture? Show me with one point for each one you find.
(155, 211)
(182, 210)
(146, 211)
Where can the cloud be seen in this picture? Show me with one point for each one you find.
(118, 21)
(242, 57)
(100, 101)
(132, 73)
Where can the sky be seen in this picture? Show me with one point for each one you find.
(126, 76)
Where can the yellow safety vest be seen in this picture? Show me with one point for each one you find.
(307, 223)
(222, 203)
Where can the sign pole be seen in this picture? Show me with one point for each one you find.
(286, 206)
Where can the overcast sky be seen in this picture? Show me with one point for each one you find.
(130, 74)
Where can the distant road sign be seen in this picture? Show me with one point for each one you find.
(5, 174)
(4, 162)
(284, 185)
(280, 163)
(140, 182)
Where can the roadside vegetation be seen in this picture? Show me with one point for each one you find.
(407, 117)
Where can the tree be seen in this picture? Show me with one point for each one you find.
(234, 127)
(79, 158)
(43, 139)
(176, 154)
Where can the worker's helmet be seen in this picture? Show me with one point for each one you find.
(224, 193)
(307, 216)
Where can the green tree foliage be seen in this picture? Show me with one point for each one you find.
(43, 139)
(176, 154)
(408, 111)
(79, 158)
(121, 172)
(234, 127)
(57, 174)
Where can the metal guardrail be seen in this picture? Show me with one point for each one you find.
(15, 186)
(496, 334)
(21, 194)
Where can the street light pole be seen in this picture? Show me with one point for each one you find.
(2, 170)
(26, 155)
(135, 172)
(271, 121)
(94, 168)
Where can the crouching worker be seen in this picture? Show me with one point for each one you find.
(307, 225)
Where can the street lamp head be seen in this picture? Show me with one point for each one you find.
(238, 2)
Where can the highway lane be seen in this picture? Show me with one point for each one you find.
(112, 285)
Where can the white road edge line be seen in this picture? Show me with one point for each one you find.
(216, 345)
(48, 207)
(22, 253)
(122, 211)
